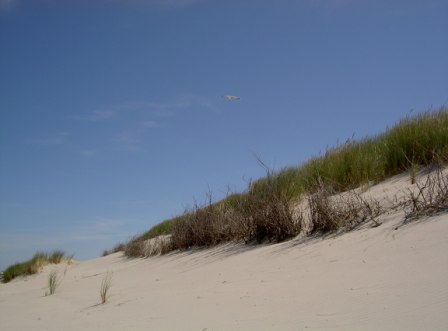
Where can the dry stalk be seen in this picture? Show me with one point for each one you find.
(329, 213)
(431, 196)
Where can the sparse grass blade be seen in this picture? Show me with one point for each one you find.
(53, 282)
(106, 283)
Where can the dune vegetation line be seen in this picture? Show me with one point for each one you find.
(34, 265)
(271, 208)
(266, 211)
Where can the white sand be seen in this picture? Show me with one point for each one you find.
(369, 279)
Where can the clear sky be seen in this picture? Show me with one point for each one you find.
(113, 116)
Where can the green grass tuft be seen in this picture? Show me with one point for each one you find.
(34, 265)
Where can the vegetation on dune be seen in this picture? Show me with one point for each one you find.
(267, 211)
(264, 211)
(34, 265)
(431, 197)
(117, 248)
(163, 228)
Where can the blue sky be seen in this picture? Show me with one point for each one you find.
(113, 117)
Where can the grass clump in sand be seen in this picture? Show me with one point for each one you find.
(56, 257)
(34, 265)
(106, 283)
(264, 213)
(53, 282)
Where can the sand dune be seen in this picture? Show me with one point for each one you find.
(379, 278)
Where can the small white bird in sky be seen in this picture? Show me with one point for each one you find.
(231, 97)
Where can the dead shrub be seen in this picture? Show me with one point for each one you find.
(202, 227)
(268, 216)
(166, 247)
(329, 212)
(135, 248)
(263, 214)
(431, 196)
(157, 245)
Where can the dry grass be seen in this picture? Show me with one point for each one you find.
(53, 282)
(56, 257)
(201, 227)
(150, 247)
(431, 196)
(117, 248)
(263, 214)
(106, 283)
(135, 248)
(330, 212)
(267, 213)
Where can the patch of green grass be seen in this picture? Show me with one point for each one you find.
(33, 265)
(418, 140)
(345, 166)
(13, 271)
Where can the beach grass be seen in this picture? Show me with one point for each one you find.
(263, 211)
(53, 282)
(106, 283)
(33, 265)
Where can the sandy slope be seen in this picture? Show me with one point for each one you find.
(369, 279)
